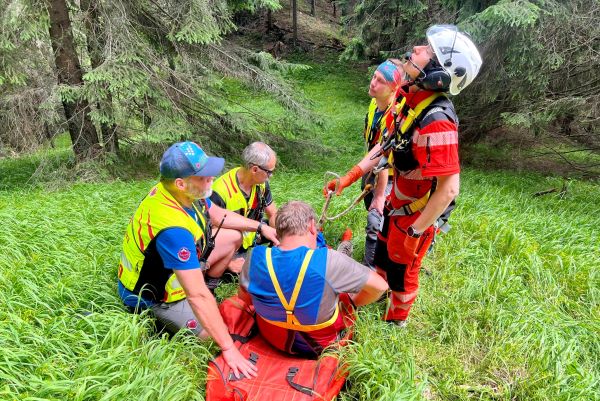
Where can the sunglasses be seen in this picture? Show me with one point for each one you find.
(267, 171)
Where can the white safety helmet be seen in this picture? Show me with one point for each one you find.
(457, 55)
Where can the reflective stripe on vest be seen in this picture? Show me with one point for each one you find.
(292, 322)
(229, 190)
(158, 211)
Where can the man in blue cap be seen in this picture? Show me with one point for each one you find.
(168, 245)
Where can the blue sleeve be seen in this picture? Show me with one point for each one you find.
(321, 240)
(177, 249)
(208, 202)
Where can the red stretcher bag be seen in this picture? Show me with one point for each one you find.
(280, 376)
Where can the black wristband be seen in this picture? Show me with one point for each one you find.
(259, 228)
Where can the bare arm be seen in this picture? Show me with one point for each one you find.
(271, 211)
(240, 223)
(446, 190)
(366, 164)
(372, 290)
(379, 193)
(205, 308)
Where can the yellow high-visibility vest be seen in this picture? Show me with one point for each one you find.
(158, 211)
(370, 138)
(229, 190)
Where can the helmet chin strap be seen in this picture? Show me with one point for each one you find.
(410, 81)
(407, 57)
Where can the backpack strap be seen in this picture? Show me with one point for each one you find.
(289, 377)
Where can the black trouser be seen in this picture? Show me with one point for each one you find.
(373, 221)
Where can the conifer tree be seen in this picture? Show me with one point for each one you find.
(152, 69)
(83, 133)
(540, 60)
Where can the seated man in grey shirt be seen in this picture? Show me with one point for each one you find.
(295, 286)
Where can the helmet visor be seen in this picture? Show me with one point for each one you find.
(442, 39)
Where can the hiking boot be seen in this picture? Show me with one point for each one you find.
(346, 246)
(399, 323)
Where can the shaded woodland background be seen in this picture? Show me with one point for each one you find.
(124, 77)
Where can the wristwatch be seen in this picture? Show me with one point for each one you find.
(411, 232)
(259, 228)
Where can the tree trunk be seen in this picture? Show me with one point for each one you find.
(83, 133)
(269, 20)
(95, 45)
(312, 8)
(295, 20)
(333, 3)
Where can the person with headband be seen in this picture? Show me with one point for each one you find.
(423, 140)
(383, 86)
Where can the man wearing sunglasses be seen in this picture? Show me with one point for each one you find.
(166, 249)
(423, 140)
(245, 190)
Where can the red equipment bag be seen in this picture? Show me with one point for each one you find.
(280, 376)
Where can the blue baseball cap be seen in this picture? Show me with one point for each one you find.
(185, 159)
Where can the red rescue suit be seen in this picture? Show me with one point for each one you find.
(427, 149)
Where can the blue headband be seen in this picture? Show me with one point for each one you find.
(390, 72)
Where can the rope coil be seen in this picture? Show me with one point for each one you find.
(368, 188)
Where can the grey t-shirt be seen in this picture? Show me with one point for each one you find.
(342, 274)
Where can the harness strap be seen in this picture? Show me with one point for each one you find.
(291, 321)
(413, 114)
(411, 208)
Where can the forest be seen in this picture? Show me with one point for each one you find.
(93, 92)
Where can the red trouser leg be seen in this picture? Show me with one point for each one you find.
(400, 256)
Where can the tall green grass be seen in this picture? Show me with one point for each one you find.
(510, 310)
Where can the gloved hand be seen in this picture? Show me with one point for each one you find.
(345, 181)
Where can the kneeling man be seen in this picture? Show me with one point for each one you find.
(295, 286)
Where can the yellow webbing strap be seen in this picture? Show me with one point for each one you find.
(414, 113)
(292, 322)
(419, 203)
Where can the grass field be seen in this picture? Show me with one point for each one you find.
(510, 309)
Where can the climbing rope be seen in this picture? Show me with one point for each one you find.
(368, 188)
